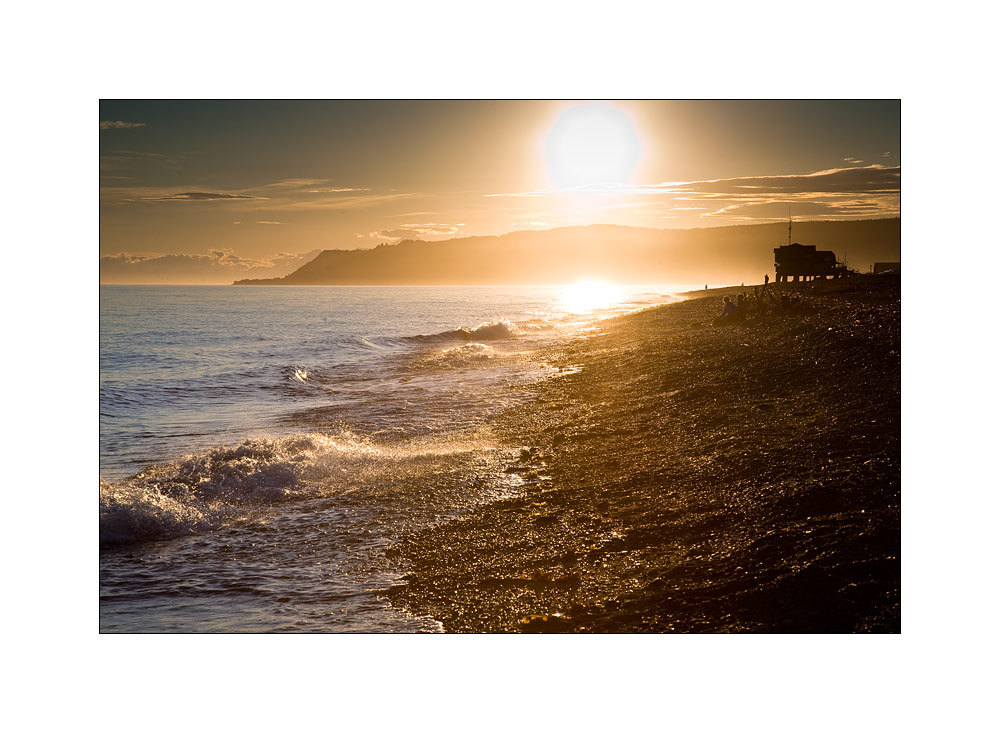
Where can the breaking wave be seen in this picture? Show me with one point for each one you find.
(502, 329)
(225, 485)
(240, 484)
(460, 357)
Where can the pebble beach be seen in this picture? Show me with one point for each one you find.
(684, 478)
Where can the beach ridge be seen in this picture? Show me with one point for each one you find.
(680, 477)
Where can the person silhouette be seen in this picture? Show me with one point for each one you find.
(728, 313)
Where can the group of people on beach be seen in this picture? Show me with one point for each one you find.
(756, 305)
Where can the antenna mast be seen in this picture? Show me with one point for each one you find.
(789, 224)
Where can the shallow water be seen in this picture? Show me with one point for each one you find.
(259, 447)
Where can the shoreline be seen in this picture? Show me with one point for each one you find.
(685, 478)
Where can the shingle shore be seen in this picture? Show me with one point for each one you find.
(686, 478)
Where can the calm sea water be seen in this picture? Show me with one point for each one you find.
(261, 446)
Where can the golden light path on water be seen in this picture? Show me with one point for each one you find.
(590, 295)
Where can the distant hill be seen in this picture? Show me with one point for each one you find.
(619, 254)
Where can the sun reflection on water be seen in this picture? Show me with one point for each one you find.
(584, 297)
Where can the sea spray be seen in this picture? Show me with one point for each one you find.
(238, 484)
(487, 331)
(219, 486)
(459, 357)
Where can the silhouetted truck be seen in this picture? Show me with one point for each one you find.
(793, 261)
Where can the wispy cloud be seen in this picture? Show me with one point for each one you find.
(220, 266)
(119, 125)
(835, 193)
(199, 196)
(337, 202)
(337, 190)
(856, 161)
(291, 194)
(867, 192)
(268, 222)
(293, 183)
(131, 161)
(310, 185)
(867, 178)
(835, 207)
(429, 231)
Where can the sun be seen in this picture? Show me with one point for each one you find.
(592, 144)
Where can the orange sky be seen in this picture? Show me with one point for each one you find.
(252, 187)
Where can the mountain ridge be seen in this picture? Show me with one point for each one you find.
(734, 253)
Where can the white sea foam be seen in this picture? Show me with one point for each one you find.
(459, 357)
(213, 488)
(487, 331)
(237, 484)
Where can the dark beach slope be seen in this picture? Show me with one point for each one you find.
(695, 479)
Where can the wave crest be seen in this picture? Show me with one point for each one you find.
(459, 357)
(495, 331)
(221, 486)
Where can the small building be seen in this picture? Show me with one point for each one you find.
(793, 261)
(886, 268)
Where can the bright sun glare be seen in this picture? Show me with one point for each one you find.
(591, 295)
(592, 144)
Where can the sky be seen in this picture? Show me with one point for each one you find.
(257, 187)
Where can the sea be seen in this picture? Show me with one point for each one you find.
(262, 447)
